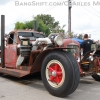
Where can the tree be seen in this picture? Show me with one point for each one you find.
(24, 25)
(48, 20)
(45, 24)
(19, 25)
(73, 35)
(43, 28)
(81, 36)
(59, 29)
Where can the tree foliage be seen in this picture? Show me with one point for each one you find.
(45, 24)
(73, 35)
(19, 25)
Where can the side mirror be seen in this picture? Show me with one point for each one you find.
(94, 47)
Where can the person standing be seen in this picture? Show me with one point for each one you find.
(86, 44)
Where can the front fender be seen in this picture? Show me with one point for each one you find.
(38, 62)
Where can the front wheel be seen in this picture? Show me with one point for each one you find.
(58, 74)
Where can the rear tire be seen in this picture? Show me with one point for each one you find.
(96, 76)
(60, 74)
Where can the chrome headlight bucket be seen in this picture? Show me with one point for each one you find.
(58, 40)
(74, 49)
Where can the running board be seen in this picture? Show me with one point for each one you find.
(14, 72)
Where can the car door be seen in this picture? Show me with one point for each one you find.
(11, 53)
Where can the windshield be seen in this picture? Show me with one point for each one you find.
(30, 35)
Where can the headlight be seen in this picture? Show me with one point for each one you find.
(74, 49)
(58, 40)
(24, 42)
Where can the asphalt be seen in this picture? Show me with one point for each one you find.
(32, 88)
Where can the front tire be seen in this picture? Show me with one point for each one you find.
(76, 72)
(58, 74)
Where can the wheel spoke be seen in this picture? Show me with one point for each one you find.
(56, 67)
(59, 73)
(52, 78)
(51, 69)
(57, 80)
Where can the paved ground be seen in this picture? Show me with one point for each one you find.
(32, 88)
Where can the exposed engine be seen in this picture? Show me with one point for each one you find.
(27, 46)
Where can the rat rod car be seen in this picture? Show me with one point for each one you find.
(28, 51)
(90, 63)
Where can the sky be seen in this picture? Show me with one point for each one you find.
(85, 14)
